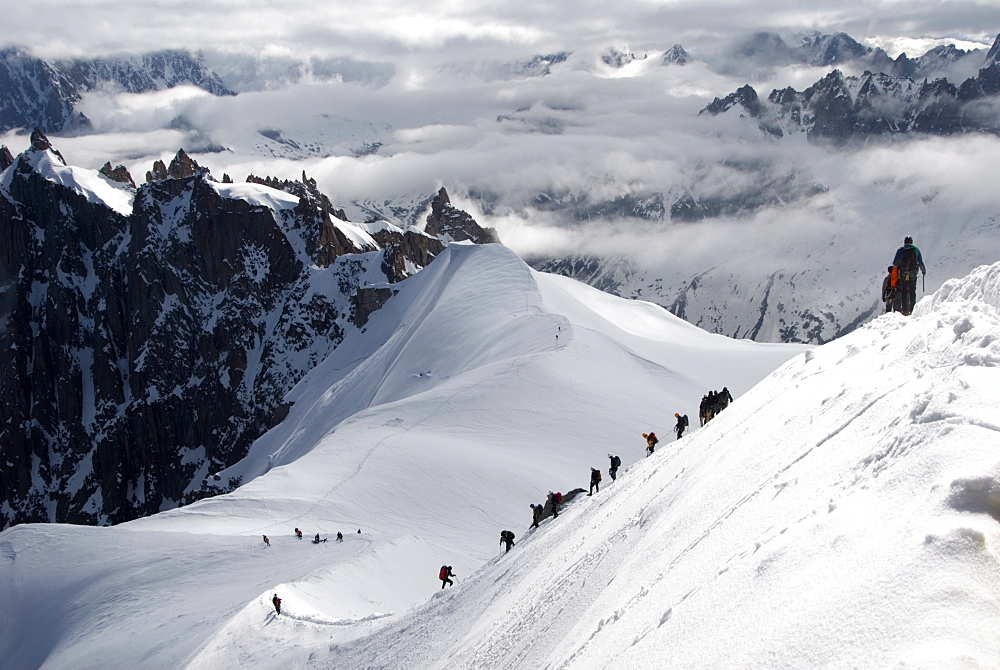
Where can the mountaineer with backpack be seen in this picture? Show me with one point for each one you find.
(907, 262)
(615, 464)
(682, 423)
(536, 514)
(444, 576)
(507, 537)
(651, 441)
(595, 481)
(554, 500)
(276, 601)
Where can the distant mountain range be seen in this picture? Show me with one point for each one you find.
(36, 93)
(888, 100)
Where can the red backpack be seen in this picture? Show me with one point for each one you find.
(444, 573)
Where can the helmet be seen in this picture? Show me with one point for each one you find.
(645, 435)
(907, 240)
(677, 413)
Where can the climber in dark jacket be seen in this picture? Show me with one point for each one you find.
(907, 262)
(595, 481)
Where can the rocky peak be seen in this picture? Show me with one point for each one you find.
(180, 167)
(831, 49)
(993, 56)
(118, 173)
(6, 158)
(39, 142)
(619, 58)
(745, 95)
(306, 189)
(540, 65)
(989, 75)
(452, 224)
(676, 55)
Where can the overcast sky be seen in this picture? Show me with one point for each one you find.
(394, 30)
(434, 84)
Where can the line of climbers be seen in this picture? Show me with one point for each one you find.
(899, 288)
(713, 403)
(315, 540)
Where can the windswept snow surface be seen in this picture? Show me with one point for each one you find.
(841, 513)
(257, 194)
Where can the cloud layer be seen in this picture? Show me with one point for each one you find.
(390, 102)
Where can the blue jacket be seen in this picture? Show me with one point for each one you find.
(899, 255)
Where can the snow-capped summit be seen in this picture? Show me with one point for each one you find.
(676, 55)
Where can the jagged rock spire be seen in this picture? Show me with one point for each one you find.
(39, 142)
(119, 174)
(993, 57)
(180, 167)
(448, 222)
(6, 158)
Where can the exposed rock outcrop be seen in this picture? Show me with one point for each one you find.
(142, 352)
(118, 173)
(452, 224)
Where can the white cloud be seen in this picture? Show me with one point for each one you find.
(437, 87)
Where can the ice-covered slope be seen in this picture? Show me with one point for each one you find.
(430, 431)
(843, 513)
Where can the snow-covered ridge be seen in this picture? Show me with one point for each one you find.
(841, 512)
(257, 194)
(981, 286)
(91, 184)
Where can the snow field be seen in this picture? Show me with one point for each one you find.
(840, 513)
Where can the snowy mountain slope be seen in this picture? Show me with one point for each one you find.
(843, 513)
(430, 431)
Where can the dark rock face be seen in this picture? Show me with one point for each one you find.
(36, 93)
(840, 110)
(33, 93)
(6, 157)
(141, 352)
(143, 73)
(452, 224)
